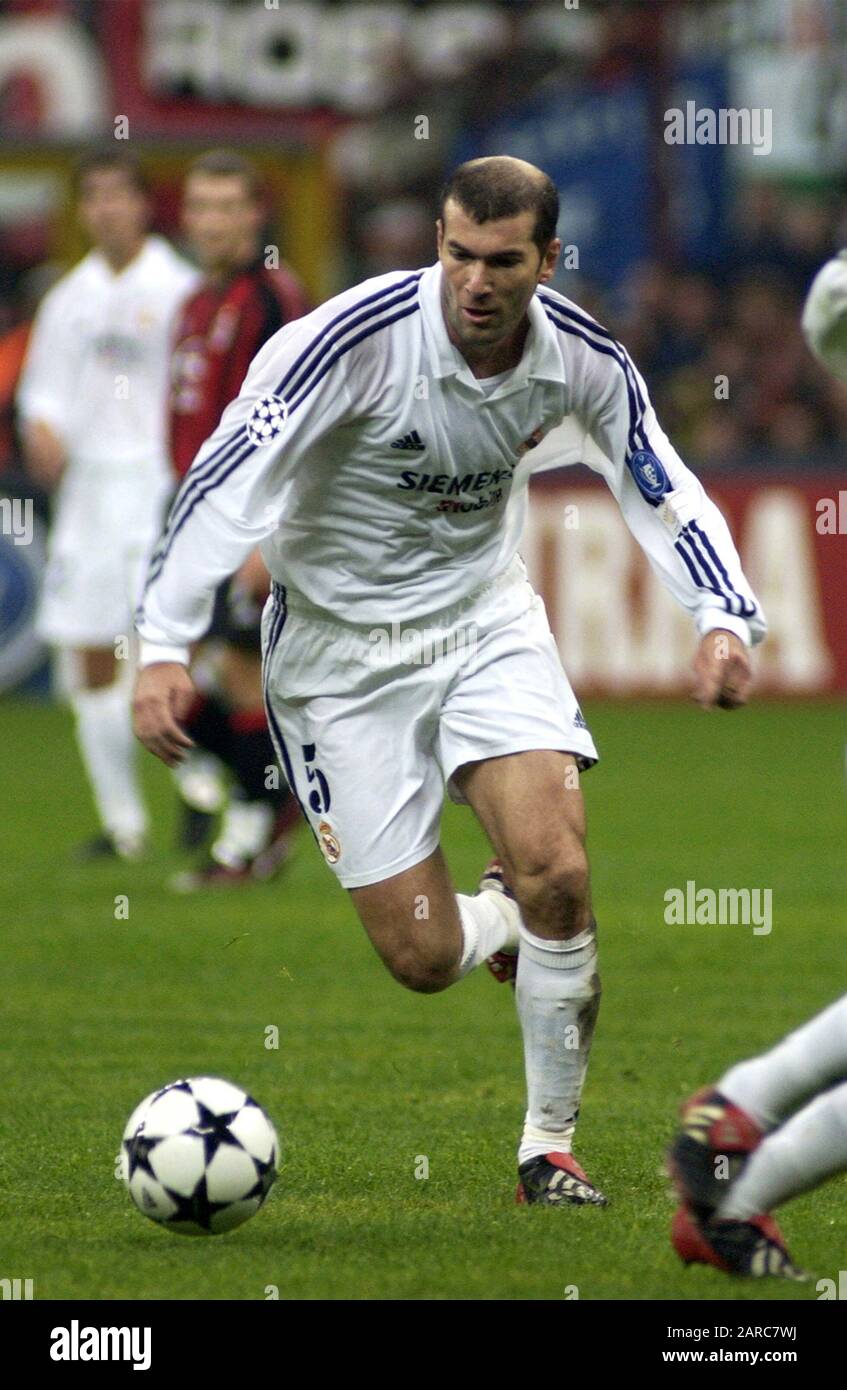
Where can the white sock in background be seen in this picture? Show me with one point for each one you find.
(244, 832)
(108, 748)
(490, 923)
(558, 996)
(808, 1148)
(813, 1056)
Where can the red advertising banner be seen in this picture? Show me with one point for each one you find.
(187, 71)
(620, 632)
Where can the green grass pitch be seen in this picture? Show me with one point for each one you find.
(367, 1078)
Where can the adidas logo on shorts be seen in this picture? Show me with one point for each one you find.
(411, 441)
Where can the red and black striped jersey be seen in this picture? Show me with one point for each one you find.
(219, 331)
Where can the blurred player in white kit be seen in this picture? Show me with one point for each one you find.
(91, 403)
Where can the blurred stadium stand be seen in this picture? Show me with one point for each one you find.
(696, 255)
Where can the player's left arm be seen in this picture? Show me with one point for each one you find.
(679, 527)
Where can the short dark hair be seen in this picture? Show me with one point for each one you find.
(229, 164)
(487, 189)
(122, 160)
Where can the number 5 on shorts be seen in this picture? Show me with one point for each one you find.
(319, 799)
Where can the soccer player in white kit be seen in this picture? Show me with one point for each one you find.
(775, 1125)
(380, 452)
(92, 405)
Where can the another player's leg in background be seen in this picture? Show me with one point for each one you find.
(201, 778)
(812, 1057)
(229, 721)
(100, 700)
(807, 1149)
(752, 1098)
(812, 1145)
(798, 1153)
(262, 810)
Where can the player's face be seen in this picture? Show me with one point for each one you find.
(112, 210)
(491, 270)
(221, 220)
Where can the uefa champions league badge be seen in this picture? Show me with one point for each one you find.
(329, 843)
(649, 474)
(267, 420)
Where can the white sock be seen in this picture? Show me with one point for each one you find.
(108, 748)
(558, 996)
(771, 1086)
(244, 832)
(808, 1148)
(490, 922)
(200, 780)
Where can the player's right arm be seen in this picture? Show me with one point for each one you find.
(233, 495)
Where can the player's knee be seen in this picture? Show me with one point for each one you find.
(553, 883)
(423, 971)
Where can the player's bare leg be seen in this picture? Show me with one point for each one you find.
(532, 809)
(426, 934)
(101, 704)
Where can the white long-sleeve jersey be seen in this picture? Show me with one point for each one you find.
(384, 483)
(825, 315)
(98, 362)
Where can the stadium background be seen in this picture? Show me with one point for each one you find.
(698, 257)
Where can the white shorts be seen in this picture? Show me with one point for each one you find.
(370, 725)
(102, 534)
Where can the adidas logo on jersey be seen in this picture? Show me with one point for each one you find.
(411, 441)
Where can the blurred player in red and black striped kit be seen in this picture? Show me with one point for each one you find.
(240, 304)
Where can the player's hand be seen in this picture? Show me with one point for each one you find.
(723, 674)
(163, 695)
(45, 454)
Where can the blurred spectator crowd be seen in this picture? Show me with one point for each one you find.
(721, 349)
(732, 380)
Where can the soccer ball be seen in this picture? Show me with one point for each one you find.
(199, 1156)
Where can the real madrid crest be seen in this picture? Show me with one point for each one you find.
(329, 842)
